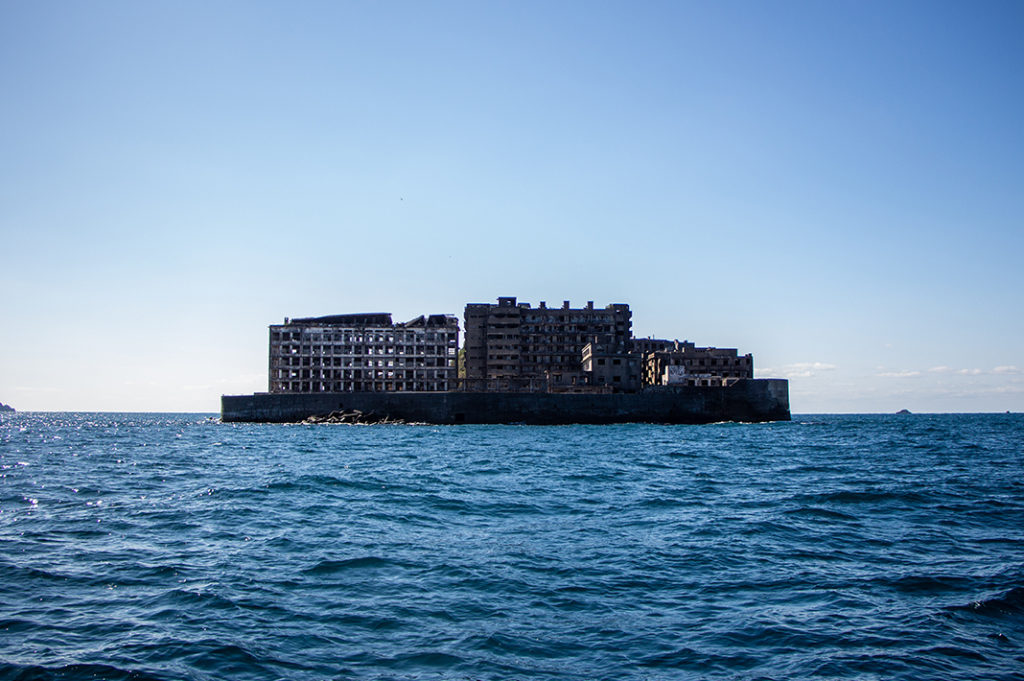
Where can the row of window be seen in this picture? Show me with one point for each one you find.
(539, 342)
(362, 337)
(542, 359)
(360, 374)
(586, 317)
(569, 328)
(722, 362)
(359, 386)
(349, 362)
(362, 350)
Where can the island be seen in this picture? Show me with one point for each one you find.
(518, 364)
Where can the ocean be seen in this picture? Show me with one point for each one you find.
(171, 546)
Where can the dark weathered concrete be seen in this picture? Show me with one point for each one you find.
(746, 400)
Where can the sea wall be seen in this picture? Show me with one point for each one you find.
(746, 400)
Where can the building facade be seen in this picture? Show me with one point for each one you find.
(363, 352)
(617, 372)
(667, 362)
(514, 346)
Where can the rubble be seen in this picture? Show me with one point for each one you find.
(352, 417)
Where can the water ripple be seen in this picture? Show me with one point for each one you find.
(172, 547)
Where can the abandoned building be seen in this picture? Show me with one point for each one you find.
(666, 362)
(509, 347)
(363, 352)
(514, 346)
(606, 371)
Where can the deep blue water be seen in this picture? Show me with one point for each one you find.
(846, 547)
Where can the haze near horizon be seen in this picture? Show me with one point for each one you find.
(833, 187)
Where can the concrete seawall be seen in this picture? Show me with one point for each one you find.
(746, 400)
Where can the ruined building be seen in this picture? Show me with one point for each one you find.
(513, 346)
(666, 362)
(363, 352)
(608, 371)
(521, 365)
(509, 347)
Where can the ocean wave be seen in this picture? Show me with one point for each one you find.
(76, 672)
(1010, 603)
(327, 567)
(845, 550)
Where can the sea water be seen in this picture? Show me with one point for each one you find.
(844, 547)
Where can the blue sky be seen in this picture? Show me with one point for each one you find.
(835, 187)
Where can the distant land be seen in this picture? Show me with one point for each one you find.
(6, 407)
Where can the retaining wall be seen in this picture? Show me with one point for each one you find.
(746, 400)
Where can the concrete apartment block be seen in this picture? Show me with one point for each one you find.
(364, 353)
(514, 346)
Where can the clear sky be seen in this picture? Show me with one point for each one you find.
(836, 187)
